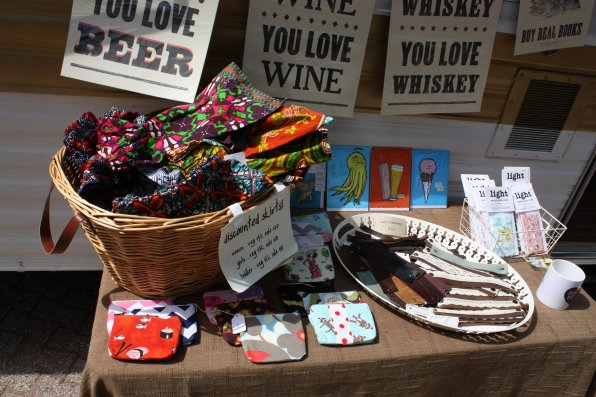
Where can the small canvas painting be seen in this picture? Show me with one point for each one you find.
(390, 173)
(348, 175)
(430, 174)
(311, 192)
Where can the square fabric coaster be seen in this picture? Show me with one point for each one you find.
(271, 338)
(225, 312)
(186, 312)
(214, 298)
(331, 297)
(310, 264)
(144, 337)
(292, 295)
(343, 324)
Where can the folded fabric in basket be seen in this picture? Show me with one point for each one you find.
(212, 186)
(531, 235)
(187, 313)
(273, 338)
(342, 323)
(144, 337)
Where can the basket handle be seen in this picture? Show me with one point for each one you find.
(67, 234)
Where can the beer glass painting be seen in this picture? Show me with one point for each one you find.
(390, 178)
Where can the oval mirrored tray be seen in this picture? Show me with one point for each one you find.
(474, 314)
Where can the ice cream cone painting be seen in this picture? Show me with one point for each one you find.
(348, 178)
(390, 172)
(430, 172)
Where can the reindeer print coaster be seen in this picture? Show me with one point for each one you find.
(343, 323)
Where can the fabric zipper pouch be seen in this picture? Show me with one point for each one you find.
(225, 312)
(310, 264)
(214, 298)
(144, 337)
(132, 306)
(271, 338)
(187, 314)
(331, 297)
(343, 323)
(292, 295)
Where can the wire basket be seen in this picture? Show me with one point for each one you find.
(473, 223)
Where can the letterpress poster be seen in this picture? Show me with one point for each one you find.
(438, 55)
(156, 48)
(309, 52)
(544, 25)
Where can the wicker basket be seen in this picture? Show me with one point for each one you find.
(151, 257)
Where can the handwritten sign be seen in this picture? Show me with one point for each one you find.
(156, 48)
(438, 55)
(257, 241)
(309, 52)
(544, 25)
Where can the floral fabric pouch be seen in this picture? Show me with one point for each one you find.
(214, 298)
(225, 312)
(144, 337)
(270, 338)
(310, 264)
(343, 323)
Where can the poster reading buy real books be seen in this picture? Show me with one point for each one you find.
(390, 172)
(155, 48)
(438, 55)
(544, 25)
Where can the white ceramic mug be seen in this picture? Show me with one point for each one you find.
(560, 284)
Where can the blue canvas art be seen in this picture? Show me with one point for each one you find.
(430, 173)
(311, 192)
(348, 174)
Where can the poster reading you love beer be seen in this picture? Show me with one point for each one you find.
(151, 47)
(438, 55)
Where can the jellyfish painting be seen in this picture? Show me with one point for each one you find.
(355, 184)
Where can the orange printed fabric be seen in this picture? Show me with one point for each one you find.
(144, 337)
(286, 125)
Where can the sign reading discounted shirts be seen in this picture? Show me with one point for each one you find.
(438, 55)
(257, 241)
(309, 52)
(156, 48)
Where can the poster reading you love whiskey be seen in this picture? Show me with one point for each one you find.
(438, 55)
(308, 51)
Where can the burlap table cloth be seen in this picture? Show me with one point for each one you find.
(553, 355)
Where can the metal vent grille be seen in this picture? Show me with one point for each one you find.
(542, 115)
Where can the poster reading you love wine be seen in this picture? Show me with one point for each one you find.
(438, 55)
(309, 52)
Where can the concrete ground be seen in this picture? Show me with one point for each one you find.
(45, 327)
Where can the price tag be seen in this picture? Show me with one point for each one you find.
(238, 323)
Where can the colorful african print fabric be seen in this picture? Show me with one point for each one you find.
(301, 153)
(210, 187)
(227, 104)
